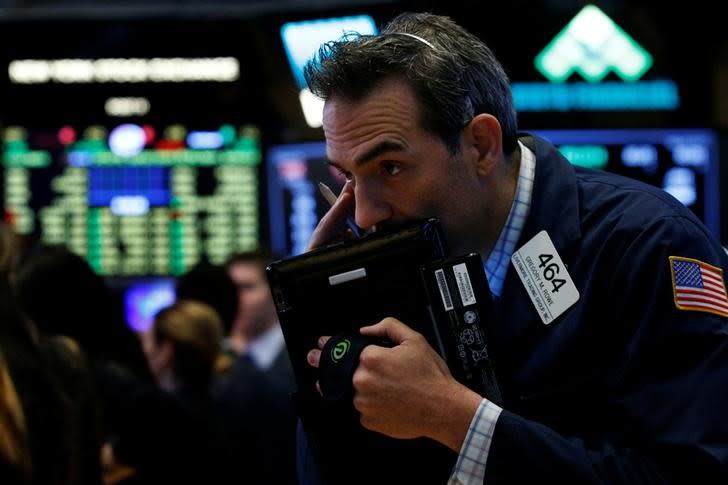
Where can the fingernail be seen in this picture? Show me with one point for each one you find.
(321, 342)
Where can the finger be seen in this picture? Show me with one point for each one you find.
(347, 189)
(313, 357)
(333, 223)
(390, 328)
(322, 341)
(318, 388)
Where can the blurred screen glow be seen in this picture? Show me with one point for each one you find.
(133, 70)
(132, 203)
(302, 40)
(682, 162)
(127, 140)
(144, 299)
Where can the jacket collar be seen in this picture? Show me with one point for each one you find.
(555, 209)
(555, 202)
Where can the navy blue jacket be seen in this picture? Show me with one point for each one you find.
(622, 387)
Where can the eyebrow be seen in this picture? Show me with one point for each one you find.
(379, 149)
(374, 152)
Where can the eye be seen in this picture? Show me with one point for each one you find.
(391, 168)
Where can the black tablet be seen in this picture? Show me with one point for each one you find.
(352, 284)
(403, 273)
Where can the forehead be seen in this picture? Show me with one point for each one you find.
(390, 112)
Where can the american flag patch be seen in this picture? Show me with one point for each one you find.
(698, 286)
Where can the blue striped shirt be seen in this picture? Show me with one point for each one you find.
(499, 259)
(470, 467)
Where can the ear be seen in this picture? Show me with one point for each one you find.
(483, 136)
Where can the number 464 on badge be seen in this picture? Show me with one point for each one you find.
(545, 278)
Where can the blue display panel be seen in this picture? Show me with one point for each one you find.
(107, 184)
(294, 203)
(683, 162)
(134, 200)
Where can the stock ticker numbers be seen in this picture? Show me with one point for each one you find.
(132, 201)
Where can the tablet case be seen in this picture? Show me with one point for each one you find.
(349, 285)
(403, 273)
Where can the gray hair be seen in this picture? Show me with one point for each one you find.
(454, 75)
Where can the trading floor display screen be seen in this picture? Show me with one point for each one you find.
(294, 202)
(682, 162)
(135, 199)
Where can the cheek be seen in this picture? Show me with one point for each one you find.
(449, 197)
(261, 300)
(432, 197)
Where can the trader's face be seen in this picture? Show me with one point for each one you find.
(398, 171)
(256, 310)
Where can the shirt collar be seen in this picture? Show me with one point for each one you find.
(496, 266)
(264, 349)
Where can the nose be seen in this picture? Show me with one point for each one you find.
(370, 207)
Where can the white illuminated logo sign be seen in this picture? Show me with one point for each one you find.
(593, 45)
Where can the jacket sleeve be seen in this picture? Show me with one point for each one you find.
(667, 411)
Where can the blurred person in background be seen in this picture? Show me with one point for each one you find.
(210, 284)
(256, 331)
(184, 350)
(47, 392)
(63, 296)
(255, 398)
(15, 465)
(171, 433)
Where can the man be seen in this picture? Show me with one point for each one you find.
(623, 381)
(255, 399)
(256, 331)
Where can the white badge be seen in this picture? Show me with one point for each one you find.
(545, 278)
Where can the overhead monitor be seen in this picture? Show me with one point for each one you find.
(683, 162)
(135, 199)
(301, 41)
(294, 202)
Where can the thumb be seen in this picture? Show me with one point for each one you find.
(390, 328)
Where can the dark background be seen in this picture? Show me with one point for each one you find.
(688, 43)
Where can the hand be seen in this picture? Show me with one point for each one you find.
(113, 472)
(407, 391)
(333, 224)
